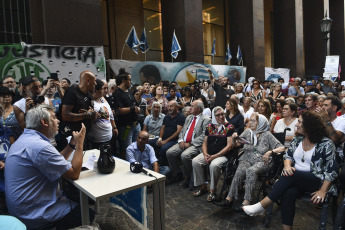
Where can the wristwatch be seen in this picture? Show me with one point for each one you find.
(72, 146)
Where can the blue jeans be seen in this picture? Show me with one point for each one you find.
(165, 170)
(163, 161)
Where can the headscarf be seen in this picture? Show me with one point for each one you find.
(214, 121)
(263, 126)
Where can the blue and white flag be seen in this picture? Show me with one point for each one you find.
(213, 52)
(239, 55)
(228, 54)
(144, 46)
(175, 46)
(132, 40)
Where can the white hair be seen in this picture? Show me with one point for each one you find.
(290, 100)
(200, 105)
(111, 83)
(156, 103)
(343, 100)
(36, 114)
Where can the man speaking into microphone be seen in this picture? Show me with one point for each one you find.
(141, 151)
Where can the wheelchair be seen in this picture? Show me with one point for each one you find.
(233, 161)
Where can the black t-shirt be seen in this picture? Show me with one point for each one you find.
(222, 95)
(124, 100)
(171, 124)
(74, 97)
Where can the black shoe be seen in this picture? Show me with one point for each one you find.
(177, 178)
(239, 208)
(224, 204)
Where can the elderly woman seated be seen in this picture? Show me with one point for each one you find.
(309, 166)
(259, 145)
(153, 122)
(216, 145)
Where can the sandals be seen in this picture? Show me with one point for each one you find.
(211, 197)
(199, 192)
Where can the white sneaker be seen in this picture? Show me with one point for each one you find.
(254, 210)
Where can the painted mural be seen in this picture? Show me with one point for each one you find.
(181, 72)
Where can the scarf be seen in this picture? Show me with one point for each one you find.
(263, 126)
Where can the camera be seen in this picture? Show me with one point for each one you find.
(38, 100)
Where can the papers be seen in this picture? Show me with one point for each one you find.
(89, 164)
(331, 69)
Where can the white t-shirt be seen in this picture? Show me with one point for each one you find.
(280, 126)
(21, 104)
(339, 125)
(207, 112)
(101, 130)
(240, 108)
(248, 113)
(298, 155)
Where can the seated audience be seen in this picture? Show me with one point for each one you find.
(187, 99)
(259, 145)
(233, 116)
(189, 143)
(33, 169)
(141, 151)
(186, 111)
(289, 120)
(157, 95)
(154, 122)
(277, 92)
(279, 108)
(170, 130)
(216, 145)
(309, 166)
(264, 108)
(8, 118)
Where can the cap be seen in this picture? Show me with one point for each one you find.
(309, 83)
(298, 79)
(292, 79)
(28, 80)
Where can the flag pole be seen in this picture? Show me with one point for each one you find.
(123, 47)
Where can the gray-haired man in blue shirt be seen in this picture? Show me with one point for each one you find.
(33, 168)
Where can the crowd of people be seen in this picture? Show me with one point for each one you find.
(45, 126)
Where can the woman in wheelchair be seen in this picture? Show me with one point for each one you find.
(216, 145)
(258, 144)
(309, 166)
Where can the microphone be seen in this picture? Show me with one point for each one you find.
(137, 167)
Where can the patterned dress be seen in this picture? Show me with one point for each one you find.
(251, 164)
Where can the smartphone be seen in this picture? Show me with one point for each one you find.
(54, 76)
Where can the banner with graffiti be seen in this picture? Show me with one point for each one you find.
(20, 60)
(181, 72)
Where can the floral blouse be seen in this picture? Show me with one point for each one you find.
(323, 161)
(164, 104)
(217, 139)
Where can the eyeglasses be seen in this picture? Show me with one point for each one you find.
(253, 120)
(255, 83)
(219, 115)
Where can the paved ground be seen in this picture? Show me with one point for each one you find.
(183, 211)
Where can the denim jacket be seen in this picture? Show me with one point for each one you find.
(323, 161)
